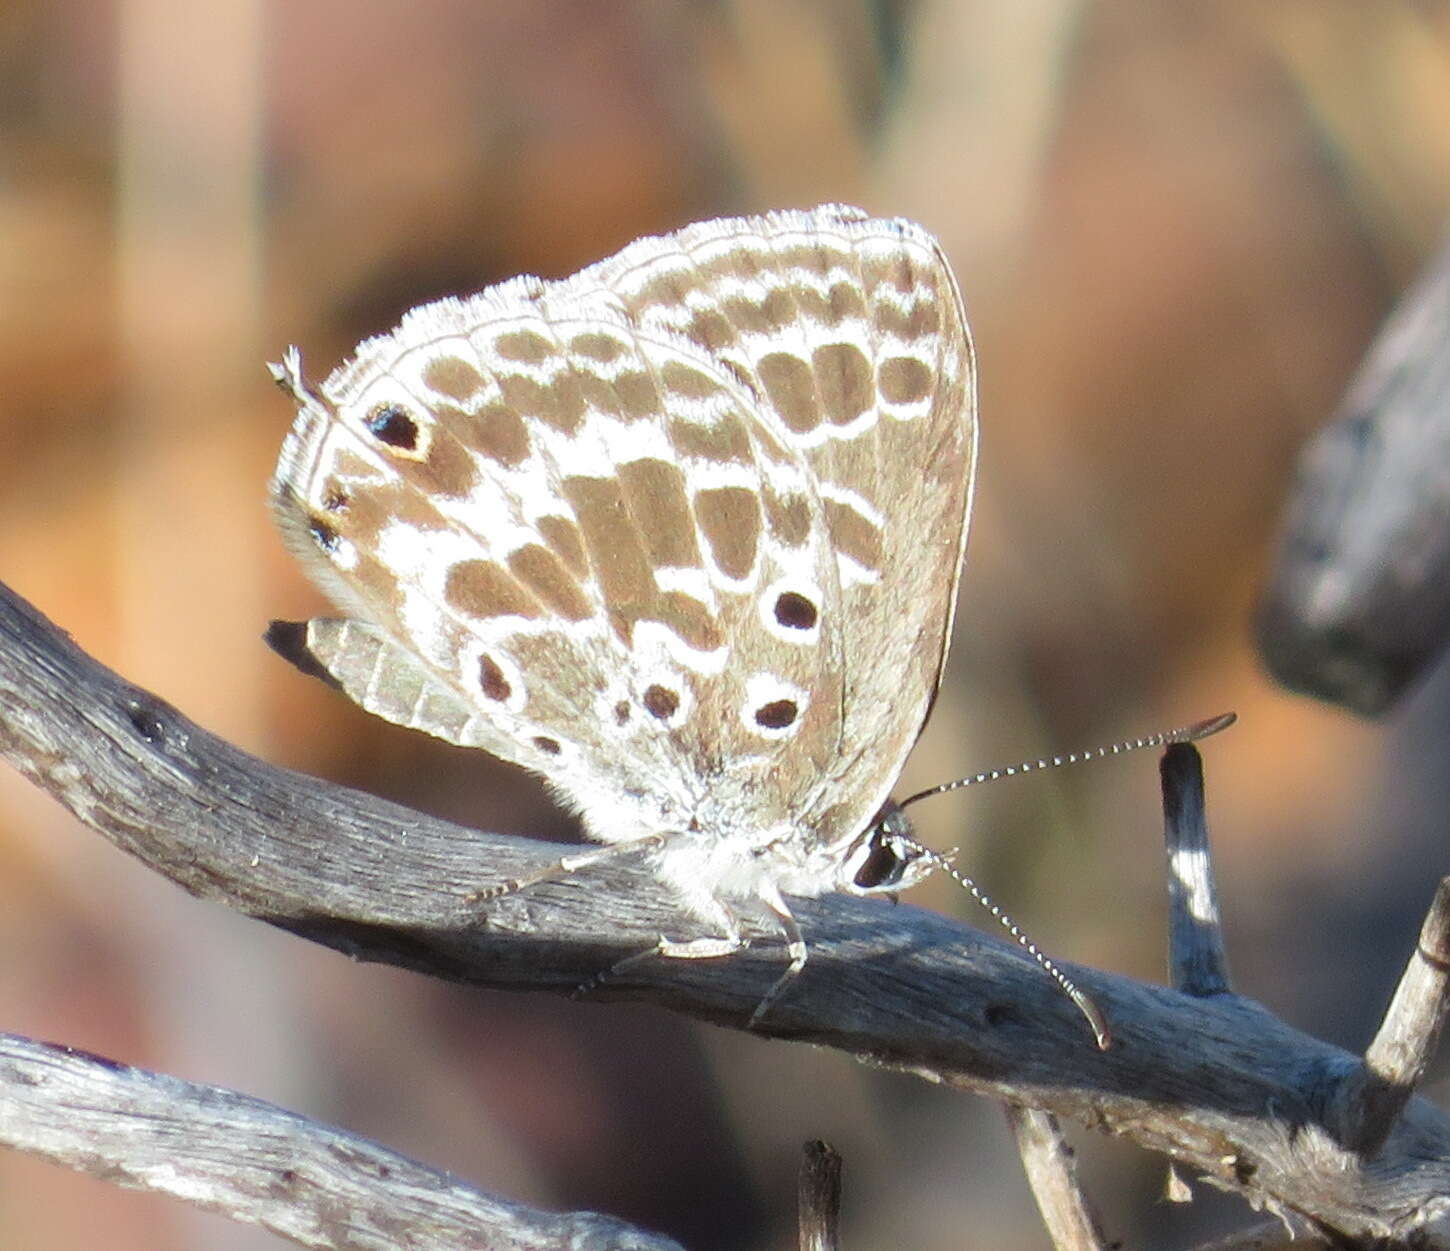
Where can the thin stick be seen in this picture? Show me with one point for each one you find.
(1051, 1170)
(1395, 1061)
(1196, 959)
(819, 1191)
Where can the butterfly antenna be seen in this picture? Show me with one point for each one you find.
(1186, 734)
(1095, 1019)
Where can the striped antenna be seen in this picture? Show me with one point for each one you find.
(1086, 1006)
(1187, 734)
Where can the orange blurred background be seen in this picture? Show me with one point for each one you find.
(1176, 228)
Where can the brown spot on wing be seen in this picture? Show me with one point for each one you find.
(688, 382)
(498, 432)
(558, 403)
(779, 309)
(920, 320)
(905, 380)
(613, 544)
(491, 679)
(777, 714)
(853, 535)
(448, 469)
(638, 395)
(729, 517)
(846, 302)
(378, 581)
(602, 348)
(375, 506)
(655, 492)
(452, 376)
(795, 611)
(844, 381)
(687, 617)
(545, 575)
(661, 702)
(526, 346)
(724, 441)
(354, 468)
(748, 315)
(792, 390)
(484, 588)
(896, 272)
(711, 330)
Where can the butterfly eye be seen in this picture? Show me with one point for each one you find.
(881, 866)
(887, 856)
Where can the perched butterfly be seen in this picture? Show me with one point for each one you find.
(681, 533)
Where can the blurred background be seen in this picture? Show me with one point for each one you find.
(1177, 229)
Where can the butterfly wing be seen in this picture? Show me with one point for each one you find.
(681, 532)
(851, 332)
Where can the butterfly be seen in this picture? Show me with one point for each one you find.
(680, 533)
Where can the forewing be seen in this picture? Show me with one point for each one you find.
(850, 333)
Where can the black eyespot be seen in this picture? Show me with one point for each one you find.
(392, 425)
(548, 745)
(795, 611)
(777, 714)
(661, 702)
(492, 680)
(326, 537)
(881, 867)
(334, 499)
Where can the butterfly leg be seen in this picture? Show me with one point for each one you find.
(695, 949)
(564, 866)
(732, 941)
(710, 910)
(795, 945)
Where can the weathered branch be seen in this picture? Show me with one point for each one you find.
(1358, 603)
(255, 1162)
(1218, 1083)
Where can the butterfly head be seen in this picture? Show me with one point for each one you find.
(886, 857)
